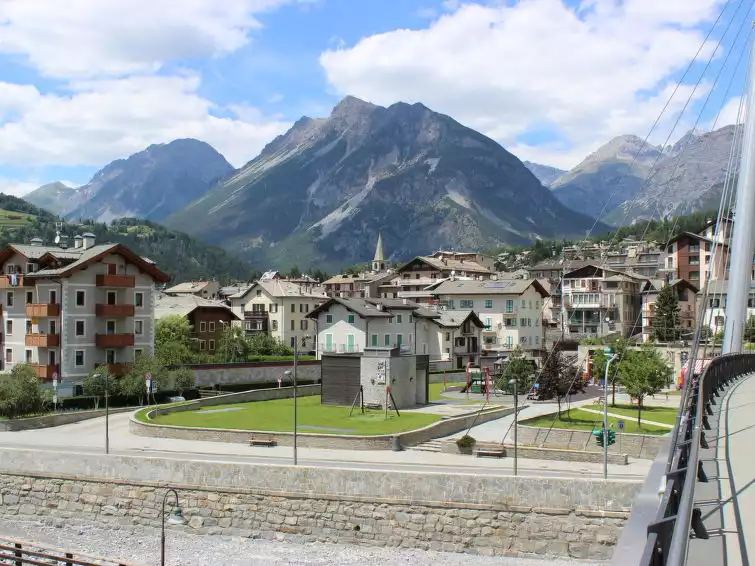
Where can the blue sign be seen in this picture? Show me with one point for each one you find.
(621, 424)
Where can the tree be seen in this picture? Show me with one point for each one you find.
(517, 367)
(21, 393)
(666, 326)
(233, 346)
(643, 372)
(261, 344)
(559, 376)
(173, 342)
(181, 379)
(97, 383)
(599, 360)
(749, 333)
(134, 383)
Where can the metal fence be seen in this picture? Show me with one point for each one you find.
(677, 517)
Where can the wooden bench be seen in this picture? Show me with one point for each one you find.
(373, 406)
(599, 401)
(490, 453)
(262, 441)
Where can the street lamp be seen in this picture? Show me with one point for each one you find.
(516, 415)
(175, 518)
(107, 409)
(611, 358)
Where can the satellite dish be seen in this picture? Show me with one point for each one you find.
(57, 238)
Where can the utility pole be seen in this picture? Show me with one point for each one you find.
(605, 412)
(744, 230)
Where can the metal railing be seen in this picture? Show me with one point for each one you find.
(18, 552)
(668, 534)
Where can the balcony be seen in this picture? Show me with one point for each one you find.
(114, 340)
(43, 371)
(106, 280)
(42, 310)
(42, 340)
(115, 310)
(118, 370)
(6, 282)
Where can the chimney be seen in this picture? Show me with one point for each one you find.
(37, 242)
(77, 241)
(88, 241)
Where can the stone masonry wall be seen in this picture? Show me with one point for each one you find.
(252, 372)
(492, 530)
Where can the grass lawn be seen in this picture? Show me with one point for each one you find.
(10, 219)
(437, 388)
(582, 420)
(665, 415)
(312, 417)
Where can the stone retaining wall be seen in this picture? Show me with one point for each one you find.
(439, 429)
(534, 453)
(488, 515)
(252, 372)
(56, 419)
(642, 446)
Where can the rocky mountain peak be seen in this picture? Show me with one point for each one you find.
(351, 107)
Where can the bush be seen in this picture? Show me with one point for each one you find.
(466, 442)
(21, 393)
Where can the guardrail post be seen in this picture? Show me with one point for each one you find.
(701, 477)
(69, 555)
(697, 524)
(19, 554)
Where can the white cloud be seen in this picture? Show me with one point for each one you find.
(17, 188)
(102, 120)
(503, 69)
(86, 38)
(730, 112)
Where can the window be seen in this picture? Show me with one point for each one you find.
(398, 319)
(29, 297)
(304, 324)
(530, 304)
(293, 341)
(29, 268)
(28, 327)
(27, 356)
(259, 293)
(112, 298)
(139, 300)
(352, 318)
(274, 307)
(523, 339)
(9, 327)
(110, 327)
(80, 328)
(293, 325)
(301, 307)
(488, 303)
(509, 305)
(488, 323)
(137, 353)
(524, 303)
(466, 303)
(399, 340)
(537, 305)
(9, 299)
(410, 319)
(374, 340)
(387, 340)
(79, 357)
(211, 345)
(274, 324)
(139, 327)
(203, 327)
(537, 339)
(523, 322)
(293, 307)
(202, 344)
(109, 356)
(328, 319)
(9, 355)
(694, 275)
(80, 300)
(211, 326)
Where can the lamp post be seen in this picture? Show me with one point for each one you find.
(175, 518)
(611, 358)
(293, 374)
(107, 410)
(516, 415)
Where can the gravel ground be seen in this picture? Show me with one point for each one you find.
(142, 546)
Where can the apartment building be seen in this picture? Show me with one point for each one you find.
(349, 325)
(598, 301)
(203, 289)
(207, 318)
(714, 308)
(690, 256)
(510, 310)
(279, 308)
(69, 310)
(686, 294)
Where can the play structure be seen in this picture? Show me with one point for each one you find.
(700, 366)
(478, 380)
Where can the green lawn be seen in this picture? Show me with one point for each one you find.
(665, 415)
(312, 417)
(437, 388)
(577, 419)
(10, 219)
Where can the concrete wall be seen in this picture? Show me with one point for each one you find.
(58, 419)
(450, 447)
(314, 440)
(400, 372)
(488, 515)
(252, 372)
(641, 446)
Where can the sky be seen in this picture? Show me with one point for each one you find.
(84, 82)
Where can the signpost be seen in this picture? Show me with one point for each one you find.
(622, 425)
(149, 385)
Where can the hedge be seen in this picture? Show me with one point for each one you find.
(86, 402)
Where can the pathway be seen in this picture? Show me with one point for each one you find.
(625, 417)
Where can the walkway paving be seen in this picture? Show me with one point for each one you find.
(727, 500)
(625, 417)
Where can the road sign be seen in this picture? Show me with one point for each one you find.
(621, 424)
(55, 379)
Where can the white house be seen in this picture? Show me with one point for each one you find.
(511, 311)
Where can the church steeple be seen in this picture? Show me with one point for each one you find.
(378, 263)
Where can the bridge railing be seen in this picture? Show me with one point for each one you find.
(665, 528)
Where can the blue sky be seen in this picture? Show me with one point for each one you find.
(551, 80)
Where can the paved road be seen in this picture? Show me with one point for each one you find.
(88, 437)
(727, 500)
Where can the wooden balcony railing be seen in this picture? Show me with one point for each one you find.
(42, 340)
(118, 369)
(7, 281)
(114, 310)
(42, 310)
(105, 280)
(45, 371)
(114, 340)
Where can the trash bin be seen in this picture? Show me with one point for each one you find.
(396, 444)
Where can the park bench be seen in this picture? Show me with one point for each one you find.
(262, 441)
(374, 406)
(491, 453)
(599, 401)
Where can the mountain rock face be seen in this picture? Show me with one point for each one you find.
(55, 197)
(150, 184)
(546, 174)
(321, 193)
(680, 179)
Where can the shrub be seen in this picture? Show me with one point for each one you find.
(21, 393)
(466, 441)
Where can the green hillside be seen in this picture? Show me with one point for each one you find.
(176, 253)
